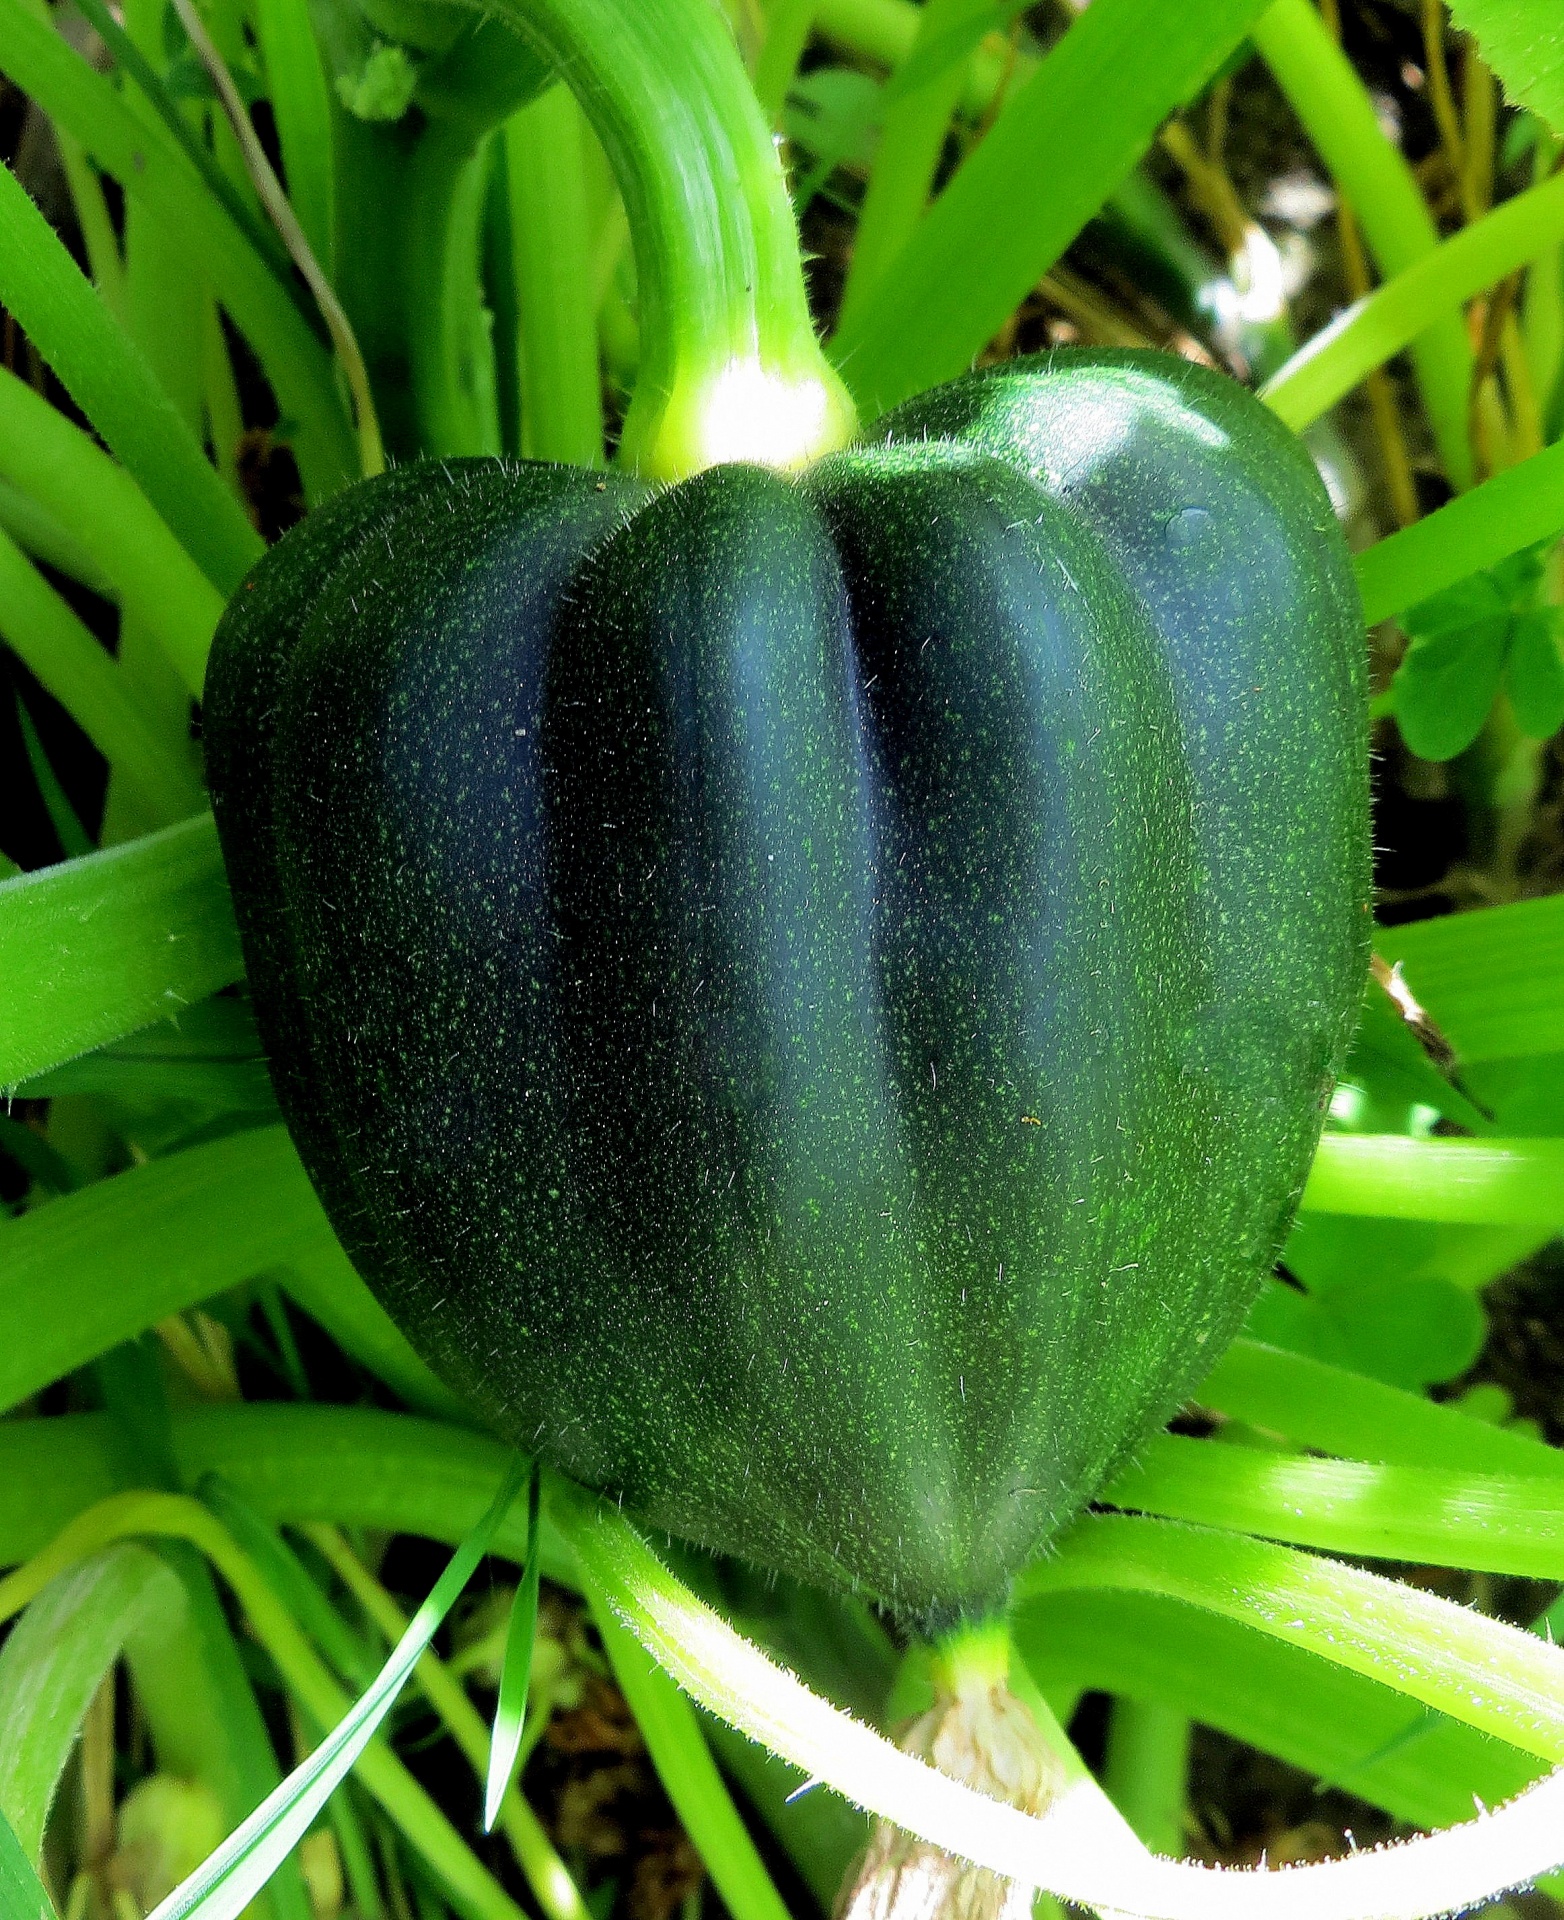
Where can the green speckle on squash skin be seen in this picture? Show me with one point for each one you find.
(812, 999)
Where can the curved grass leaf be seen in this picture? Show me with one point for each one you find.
(1492, 981)
(1514, 509)
(98, 947)
(53, 1663)
(63, 477)
(88, 1271)
(1470, 1182)
(22, 1894)
(111, 383)
(1375, 328)
(241, 1866)
(510, 1710)
(144, 159)
(1497, 1523)
(1334, 1411)
(992, 233)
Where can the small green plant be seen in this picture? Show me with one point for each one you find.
(297, 245)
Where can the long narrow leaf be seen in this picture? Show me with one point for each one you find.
(510, 1711)
(1043, 170)
(86, 1272)
(1493, 1522)
(1376, 180)
(1336, 1411)
(111, 383)
(687, 1770)
(22, 1893)
(1381, 324)
(147, 164)
(95, 948)
(1513, 510)
(241, 1866)
(57, 648)
(1492, 980)
(1517, 1183)
(60, 475)
(52, 1665)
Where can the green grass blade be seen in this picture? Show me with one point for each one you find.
(510, 1712)
(229, 1880)
(294, 1464)
(1335, 1411)
(52, 1665)
(1388, 1176)
(1350, 1732)
(35, 529)
(111, 383)
(1477, 1670)
(992, 232)
(1498, 1524)
(200, 1711)
(63, 656)
(1381, 324)
(1514, 509)
(1373, 175)
(1493, 980)
(301, 106)
(95, 948)
(22, 1895)
(143, 158)
(88, 1271)
(67, 479)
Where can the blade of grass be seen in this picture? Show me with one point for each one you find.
(232, 1876)
(686, 1768)
(1340, 1412)
(510, 1710)
(1350, 1732)
(551, 247)
(1375, 328)
(43, 536)
(990, 235)
(90, 1270)
(1493, 980)
(912, 136)
(201, 1714)
(68, 662)
(1469, 1182)
(1514, 509)
(1495, 1523)
(52, 1665)
(108, 379)
(59, 469)
(1324, 90)
(547, 1875)
(300, 99)
(94, 949)
(21, 1891)
(143, 157)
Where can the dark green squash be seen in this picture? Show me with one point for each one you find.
(811, 999)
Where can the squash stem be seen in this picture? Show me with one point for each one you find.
(730, 366)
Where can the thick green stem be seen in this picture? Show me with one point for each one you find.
(730, 367)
